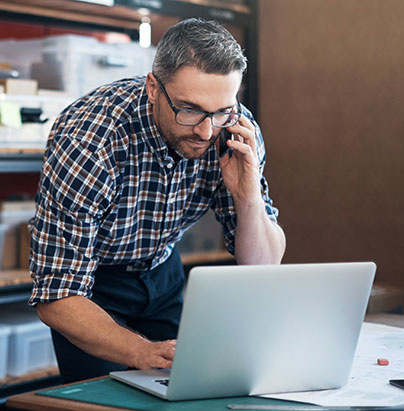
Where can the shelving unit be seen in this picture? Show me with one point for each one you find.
(20, 160)
(15, 286)
(125, 17)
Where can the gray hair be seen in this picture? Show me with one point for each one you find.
(206, 45)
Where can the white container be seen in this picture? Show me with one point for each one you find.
(78, 64)
(75, 64)
(30, 344)
(4, 337)
(20, 54)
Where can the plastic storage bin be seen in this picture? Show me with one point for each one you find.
(78, 64)
(75, 64)
(29, 345)
(4, 337)
(20, 54)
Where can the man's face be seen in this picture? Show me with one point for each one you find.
(192, 89)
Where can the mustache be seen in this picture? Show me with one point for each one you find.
(197, 139)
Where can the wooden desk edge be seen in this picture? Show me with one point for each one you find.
(33, 402)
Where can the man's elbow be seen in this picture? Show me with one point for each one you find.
(281, 244)
(43, 312)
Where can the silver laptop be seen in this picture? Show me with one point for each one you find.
(250, 330)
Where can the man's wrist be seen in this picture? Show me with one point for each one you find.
(249, 207)
(137, 345)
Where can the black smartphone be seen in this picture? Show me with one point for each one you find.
(224, 136)
(397, 383)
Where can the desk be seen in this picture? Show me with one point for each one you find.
(33, 402)
(30, 401)
(105, 394)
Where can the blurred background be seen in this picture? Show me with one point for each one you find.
(331, 107)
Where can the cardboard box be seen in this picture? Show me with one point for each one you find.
(19, 86)
(12, 215)
(5, 66)
(8, 246)
(25, 244)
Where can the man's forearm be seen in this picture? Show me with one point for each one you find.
(92, 329)
(259, 240)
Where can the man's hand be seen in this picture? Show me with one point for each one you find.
(258, 239)
(155, 354)
(104, 338)
(241, 170)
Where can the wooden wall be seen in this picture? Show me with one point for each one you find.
(331, 76)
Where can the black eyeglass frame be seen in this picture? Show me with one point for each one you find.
(204, 114)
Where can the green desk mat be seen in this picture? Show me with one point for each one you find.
(107, 391)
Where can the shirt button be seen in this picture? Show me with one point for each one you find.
(169, 165)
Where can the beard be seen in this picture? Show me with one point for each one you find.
(189, 146)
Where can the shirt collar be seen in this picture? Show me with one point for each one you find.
(149, 130)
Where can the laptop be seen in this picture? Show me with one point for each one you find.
(251, 330)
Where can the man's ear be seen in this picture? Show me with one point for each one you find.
(152, 87)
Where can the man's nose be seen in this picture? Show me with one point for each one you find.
(204, 129)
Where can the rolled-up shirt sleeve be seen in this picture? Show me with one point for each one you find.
(224, 207)
(74, 192)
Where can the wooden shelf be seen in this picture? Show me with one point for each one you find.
(21, 151)
(239, 8)
(125, 14)
(22, 277)
(210, 257)
(32, 375)
(14, 277)
(32, 381)
(75, 11)
(15, 286)
(21, 160)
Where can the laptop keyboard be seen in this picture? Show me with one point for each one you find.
(163, 381)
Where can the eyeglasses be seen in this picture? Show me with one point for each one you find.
(189, 117)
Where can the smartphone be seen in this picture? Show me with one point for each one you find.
(397, 383)
(224, 136)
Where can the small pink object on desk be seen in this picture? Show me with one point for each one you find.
(382, 361)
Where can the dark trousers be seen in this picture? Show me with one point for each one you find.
(150, 303)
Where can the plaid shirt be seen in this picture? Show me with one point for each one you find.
(110, 193)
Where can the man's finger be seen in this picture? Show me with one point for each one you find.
(242, 147)
(246, 131)
(245, 122)
(168, 352)
(162, 363)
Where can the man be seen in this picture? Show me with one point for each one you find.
(128, 168)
